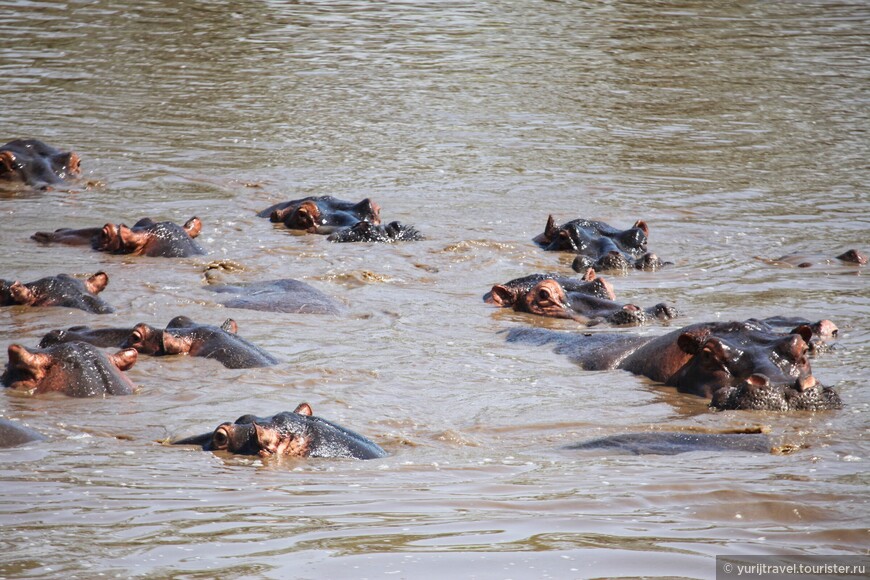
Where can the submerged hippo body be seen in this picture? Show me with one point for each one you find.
(600, 246)
(36, 164)
(368, 232)
(183, 336)
(13, 434)
(60, 290)
(589, 301)
(673, 443)
(289, 434)
(77, 369)
(323, 214)
(741, 365)
(852, 256)
(284, 295)
(145, 238)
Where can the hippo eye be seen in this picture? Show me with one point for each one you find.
(544, 294)
(137, 336)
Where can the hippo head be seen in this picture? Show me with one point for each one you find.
(77, 369)
(323, 214)
(37, 164)
(145, 237)
(285, 434)
(60, 290)
(751, 370)
(514, 294)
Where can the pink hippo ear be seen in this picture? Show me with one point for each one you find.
(7, 162)
(303, 409)
(21, 294)
(642, 226)
(589, 275)
(805, 331)
(501, 296)
(550, 229)
(230, 326)
(193, 226)
(124, 359)
(97, 283)
(608, 287)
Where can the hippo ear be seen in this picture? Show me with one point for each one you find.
(7, 162)
(124, 359)
(19, 355)
(805, 331)
(501, 295)
(21, 294)
(193, 226)
(589, 275)
(71, 162)
(689, 343)
(550, 230)
(97, 283)
(606, 286)
(279, 215)
(303, 409)
(230, 326)
(640, 224)
(369, 209)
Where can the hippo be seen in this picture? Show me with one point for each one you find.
(77, 369)
(183, 336)
(322, 215)
(673, 443)
(289, 434)
(797, 260)
(145, 238)
(60, 290)
(600, 246)
(739, 365)
(36, 164)
(589, 300)
(368, 232)
(283, 295)
(13, 434)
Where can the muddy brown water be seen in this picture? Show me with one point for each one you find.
(735, 131)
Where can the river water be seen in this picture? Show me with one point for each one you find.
(734, 129)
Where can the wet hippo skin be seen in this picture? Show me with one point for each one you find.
(145, 238)
(673, 443)
(600, 246)
(740, 365)
(283, 295)
(60, 290)
(13, 434)
(76, 369)
(588, 301)
(36, 164)
(322, 214)
(184, 336)
(290, 434)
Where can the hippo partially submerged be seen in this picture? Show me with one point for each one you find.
(599, 245)
(799, 260)
(289, 434)
(283, 295)
(76, 369)
(184, 336)
(36, 164)
(323, 214)
(60, 290)
(368, 232)
(13, 434)
(589, 300)
(145, 238)
(675, 442)
(740, 365)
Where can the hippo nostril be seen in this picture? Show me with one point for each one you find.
(806, 383)
(758, 381)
